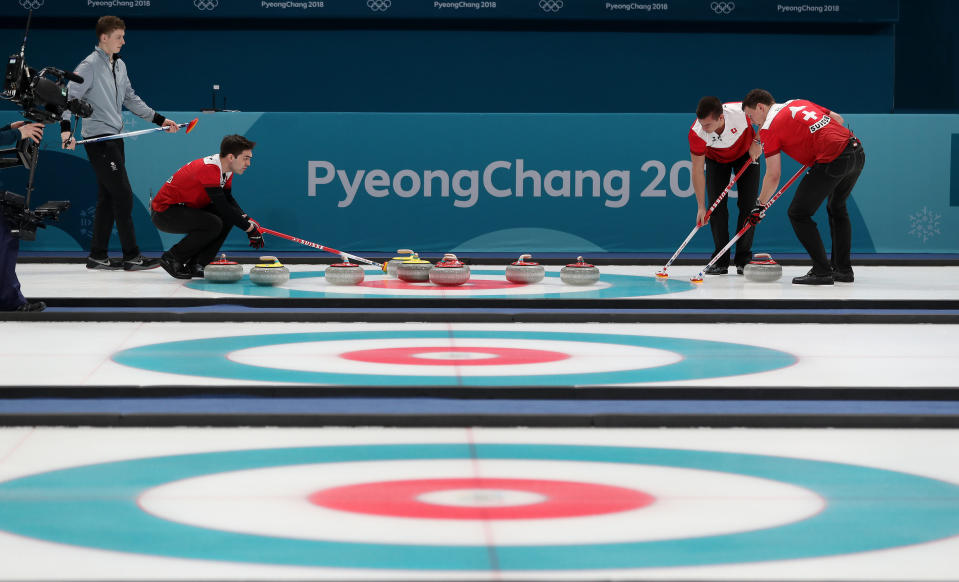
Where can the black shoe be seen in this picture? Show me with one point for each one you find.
(812, 278)
(29, 306)
(843, 276)
(175, 268)
(140, 263)
(196, 271)
(106, 264)
(716, 270)
(739, 269)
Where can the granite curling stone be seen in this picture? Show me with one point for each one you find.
(579, 273)
(414, 270)
(269, 274)
(393, 263)
(223, 271)
(763, 269)
(449, 272)
(524, 271)
(344, 274)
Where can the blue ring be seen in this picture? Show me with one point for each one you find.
(209, 358)
(620, 286)
(96, 506)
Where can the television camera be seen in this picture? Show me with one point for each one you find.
(42, 96)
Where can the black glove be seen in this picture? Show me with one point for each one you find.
(256, 239)
(756, 214)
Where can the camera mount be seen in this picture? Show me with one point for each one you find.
(44, 101)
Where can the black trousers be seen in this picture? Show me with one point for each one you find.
(718, 176)
(114, 199)
(204, 229)
(832, 182)
(10, 295)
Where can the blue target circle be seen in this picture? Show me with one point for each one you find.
(210, 358)
(619, 286)
(865, 509)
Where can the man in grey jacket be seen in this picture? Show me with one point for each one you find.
(107, 88)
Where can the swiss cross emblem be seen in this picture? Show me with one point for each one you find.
(807, 115)
(733, 130)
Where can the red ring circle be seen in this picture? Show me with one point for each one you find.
(471, 285)
(407, 356)
(400, 499)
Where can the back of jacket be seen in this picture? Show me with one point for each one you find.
(107, 88)
(8, 136)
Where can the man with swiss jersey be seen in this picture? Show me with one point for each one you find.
(197, 201)
(721, 142)
(815, 137)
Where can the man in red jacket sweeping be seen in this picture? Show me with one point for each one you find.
(815, 137)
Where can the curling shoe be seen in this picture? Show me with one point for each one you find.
(106, 264)
(812, 278)
(843, 276)
(196, 271)
(175, 268)
(31, 307)
(140, 263)
(716, 270)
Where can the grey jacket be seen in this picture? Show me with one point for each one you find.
(107, 88)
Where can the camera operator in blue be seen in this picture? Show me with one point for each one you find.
(107, 88)
(11, 299)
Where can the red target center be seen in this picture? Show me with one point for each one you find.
(454, 356)
(481, 499)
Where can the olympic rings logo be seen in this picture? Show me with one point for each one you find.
(379, 5)
(722, 7)
(551, 5)
(206, 4)
(31, 4)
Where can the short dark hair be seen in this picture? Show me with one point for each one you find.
(107, 24)
(235, 144)
(709, 107)
(757, 96)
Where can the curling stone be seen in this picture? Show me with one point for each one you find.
(344, 274)
(763, 269)
(414, 269)
(223, 271)
(523, 271)
(269, 274)
(579, 273)
(393, 263)
(450, 271)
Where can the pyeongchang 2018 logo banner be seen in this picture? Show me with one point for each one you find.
(497, 179)
(502, 179)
